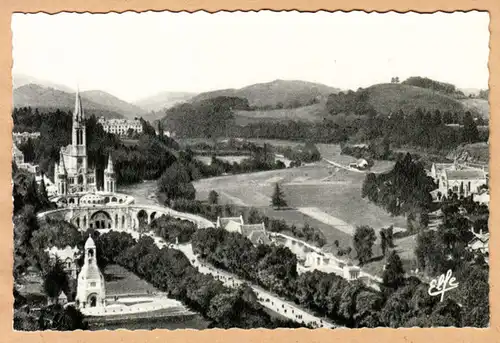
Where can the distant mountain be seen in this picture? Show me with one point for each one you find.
(163, 100)
(113, 104)
(19, 80)
(45, 99)
(275, 93)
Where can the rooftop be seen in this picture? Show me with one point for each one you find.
(248, 229)
(466, 174)
(225, 220)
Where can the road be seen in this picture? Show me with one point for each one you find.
(272, 302)
(344, 167)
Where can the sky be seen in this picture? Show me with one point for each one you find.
(136, 55)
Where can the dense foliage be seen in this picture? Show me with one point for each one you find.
(424, 82)
(403, 190)
(207, 118)
(171, 229)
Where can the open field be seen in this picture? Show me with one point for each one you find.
(319, 193)
(332, 152)
(121, 281)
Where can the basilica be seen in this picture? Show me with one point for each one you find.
(73, 177)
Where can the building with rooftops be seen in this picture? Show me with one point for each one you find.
(464, 182)
(121, 127)
(68, 257)
(18, 158)
(223, 222)
(22, 137)
(90, 291)
(256, 233)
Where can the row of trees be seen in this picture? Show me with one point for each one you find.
(424, 129)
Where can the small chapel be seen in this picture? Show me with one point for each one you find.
(91, 291)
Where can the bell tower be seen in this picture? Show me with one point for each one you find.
(90, 290)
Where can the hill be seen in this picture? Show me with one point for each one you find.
(278, 93)
(44, 98)
(112, 103)
(163, 100)
(310, 113)
(19, 80)
(387, 98)
(390, 98)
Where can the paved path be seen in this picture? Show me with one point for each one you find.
(343, 167)
(328, 219)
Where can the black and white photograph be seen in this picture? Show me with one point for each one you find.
(250, 170)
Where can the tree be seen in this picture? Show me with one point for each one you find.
(213, 197)
(56, 317)
(393, 276)
(368, 305)
(475, 298)
(175, 183)
(364, 238)
(383, 241)
(55, 281)
(389, 233)
(278, 198)
(470, 133)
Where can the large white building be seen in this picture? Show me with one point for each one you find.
(121, 127)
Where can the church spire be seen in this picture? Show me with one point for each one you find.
(78, 114)
(110, 168)
(62, 167)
